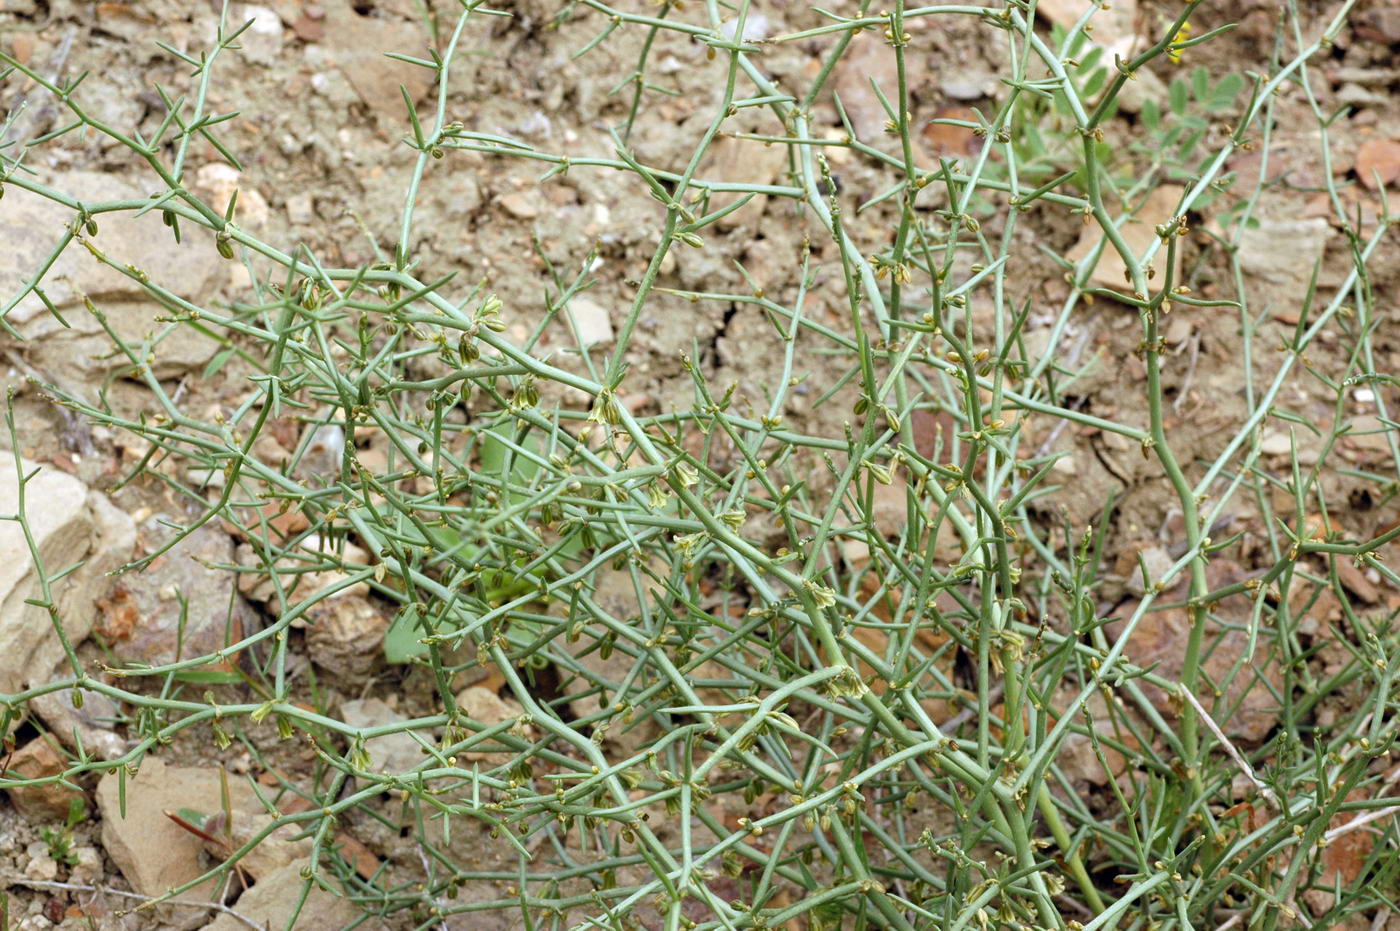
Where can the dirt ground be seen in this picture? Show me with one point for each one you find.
(324, 166)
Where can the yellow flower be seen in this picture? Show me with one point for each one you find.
(1182, 34)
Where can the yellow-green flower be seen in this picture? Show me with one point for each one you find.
(1174, 50)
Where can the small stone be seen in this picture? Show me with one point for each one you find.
(1281, 254)
(272, 901)
(153, 852)
(345, 634)
(274, 850)
(1080, 764)
(217, 183)
(301, 209)
(1381, 24)
(262, 41)
(591, 320)
(38, 759)
(744, 161)
(269, 451)
(91, 723)
(389, 753)
(946, 140)
(1179, 329)
(1378, 159)
(891, 507)
(30, 224)
(1139, 232)
(969, 88)
(142, 626)
(756, 27)
(1356, 582)
(69, 525)
(308, 29)
(519, 205)
(868, 62)
(486, 707)
(1157, 561)
(856, 553)
(355, 44)
(124, 20)
(44, 869)
(460, 196)
(1113, 27)
(1276, 443)
(1160, 639)
(89, 865)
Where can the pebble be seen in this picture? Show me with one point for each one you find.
(43, 868)
(88, 869)
(1276, 443)
(591, 321)
(389, 753)
(520, 205)
(300, 209)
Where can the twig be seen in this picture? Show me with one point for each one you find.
(1235, 754)
(107, 890)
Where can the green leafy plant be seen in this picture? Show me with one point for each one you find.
(60, 840)
(1175, 135)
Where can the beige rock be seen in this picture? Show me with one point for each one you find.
(1276, 443)
(356, 44)
(152, 851)
(1080, 764)
(1157, 561)
(32, 225)
(88, 728)
(144, 618)
(274, 899)
(743, 161)
(591, 320)
(69, 524)
(69, 354)
(388, 753)
(272, 853)
(345, 634)
(37, 759)
(1248, 709)
(1111, 27)
(217, 182)
(1139, 232)
(262, 41)
(520, 205)
(1278, 256)
(1065, 466)
(486, 707)
(299, 586)
(868, 58)
(301, 210)
(1378, 159)
(616, 595)
(890, 506)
